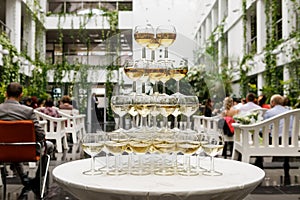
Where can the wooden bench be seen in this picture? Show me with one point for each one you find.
(262, 138)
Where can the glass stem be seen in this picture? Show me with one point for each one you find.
(175, 122)
(93, 165)
(177, 86)
(164, 88)
(140, 162)
(152, 55)
(166, 52)
(121, 122)
(188, 164)
(212, 164)
(134, 86)
(188, 121)
(166, 122)
(143, 88)
(144, 53)
(144, 122)
(156, 87)
(154, 122)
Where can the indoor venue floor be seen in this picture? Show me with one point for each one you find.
(271, 188)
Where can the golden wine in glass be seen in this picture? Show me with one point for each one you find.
(166, 35)
(143, 36)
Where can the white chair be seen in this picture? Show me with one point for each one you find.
(254, 139)
(74, 125)
(55, 130)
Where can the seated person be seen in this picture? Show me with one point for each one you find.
(250, 105)
(49, 109)
(12, 110)
(66, 103)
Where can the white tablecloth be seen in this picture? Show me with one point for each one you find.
(237, 181)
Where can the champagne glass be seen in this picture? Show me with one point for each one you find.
(116, 144)
(133, 73)
(164, 143)
(140, 144)
(143, 104)
(213, 147)
(144, 66)
(167, 66)
(179, 72)
(155, 73)
(143, 36)
(153, 45)
(166, 35)
(92, 144)
(177, 111)
(120, 104)
(167, 105)
(189, 107)
(187, 143)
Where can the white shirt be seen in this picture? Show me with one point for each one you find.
(248, 106)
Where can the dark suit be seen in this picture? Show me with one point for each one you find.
(12, 110)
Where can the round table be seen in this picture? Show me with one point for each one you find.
(237, 181)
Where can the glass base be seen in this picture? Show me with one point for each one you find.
(212, 173)
(164, 172)
(140, 172)
(90, 173)
(188, 173)
(116, 172)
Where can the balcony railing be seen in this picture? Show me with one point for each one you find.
(251, 46)
(71, 7)
(4, 28)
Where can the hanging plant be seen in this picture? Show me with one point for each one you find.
(9, 72)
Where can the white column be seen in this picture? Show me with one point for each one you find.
(288, 18)
(13, 21)
(260, 83)
(29, 34)
(261, 25)
(286, 76)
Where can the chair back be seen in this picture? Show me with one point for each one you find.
(17, 141)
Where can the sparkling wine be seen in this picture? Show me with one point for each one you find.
(166, 39)
(139, 146)
(153, 44)
(116, 147)
(167, 110)
(188, 110)
(134, 73)
(143, 109)
(155, 74)
(143, 38)
(121, 110)
(164, 146)
(92, 148)
(178, 74)
(212, 150)
(132, 110)
(165, 76)
(188, 147)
